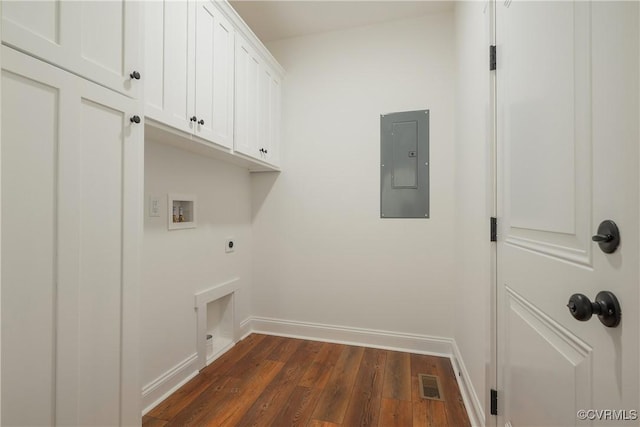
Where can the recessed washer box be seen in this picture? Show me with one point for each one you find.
(182, 211)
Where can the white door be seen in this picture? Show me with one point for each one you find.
(567, 128)
(71, 164)
(214, 75)
(99, 40)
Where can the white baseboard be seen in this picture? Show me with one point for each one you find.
(412, 343)
(471, 402)
(162, 387)
(245, 328)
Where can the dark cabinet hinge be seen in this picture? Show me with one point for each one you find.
(494, 402)
(492, 57)
(494, 229)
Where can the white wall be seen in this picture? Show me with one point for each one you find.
(473, 195)
(178, 263)
(321, 252)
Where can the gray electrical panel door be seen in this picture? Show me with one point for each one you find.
(404, 171)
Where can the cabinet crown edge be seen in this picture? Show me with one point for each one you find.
(240, 25)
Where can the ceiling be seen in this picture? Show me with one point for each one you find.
(274, 20)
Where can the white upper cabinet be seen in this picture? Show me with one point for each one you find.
(246, 105)
(169, 60)
(98, 40)
(257, 107)
(189, 62)
(214, 75)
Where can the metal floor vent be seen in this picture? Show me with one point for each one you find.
(430, 387)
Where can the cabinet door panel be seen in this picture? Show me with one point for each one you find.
(273, 155)
(102, 133)
(30, 165)
(109, 47)
(154, 48)
(247, 99)
(98, 40)
(214, 75)
(169, 51)
(264, 112)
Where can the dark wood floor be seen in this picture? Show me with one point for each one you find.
(274, 381)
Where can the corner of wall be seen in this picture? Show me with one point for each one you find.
(472, 403)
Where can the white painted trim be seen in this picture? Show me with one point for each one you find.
(201, 299)
(216, 292)
(244, 330)
(468, 392)
(163, 386)
(387, 340)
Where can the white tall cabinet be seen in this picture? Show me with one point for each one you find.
(189, 57)
(71, 186)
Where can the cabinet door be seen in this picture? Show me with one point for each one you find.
(70, 237)
(98, 40)
(214, 75)
(32, 93)
(275, 117)
(264, 112)
(169, 62)
(247, 107)
(269, 115)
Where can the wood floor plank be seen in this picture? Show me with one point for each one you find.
(279, 382)
(247, 392)
(397, 377)
(320, 370)
(364, 405)
(454, 405)
(335, 397)
(197, 412)
(225, 362)
(430, 413)
(171, 406)
(253, 358)
(319, 423)
(148, 421)
(298, 409)
(284, 350)
(229, 401)
(395, 413)
(175, 403)
(275, 396)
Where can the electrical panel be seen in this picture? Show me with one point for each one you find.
(404, 166)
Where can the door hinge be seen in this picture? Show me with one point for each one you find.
(494, 229)
(492, 57)
(494, 402)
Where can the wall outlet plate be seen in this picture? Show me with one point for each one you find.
(230, 245)
(154, 206)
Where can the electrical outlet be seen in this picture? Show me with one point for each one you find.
(230, 246)
(154, 206)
